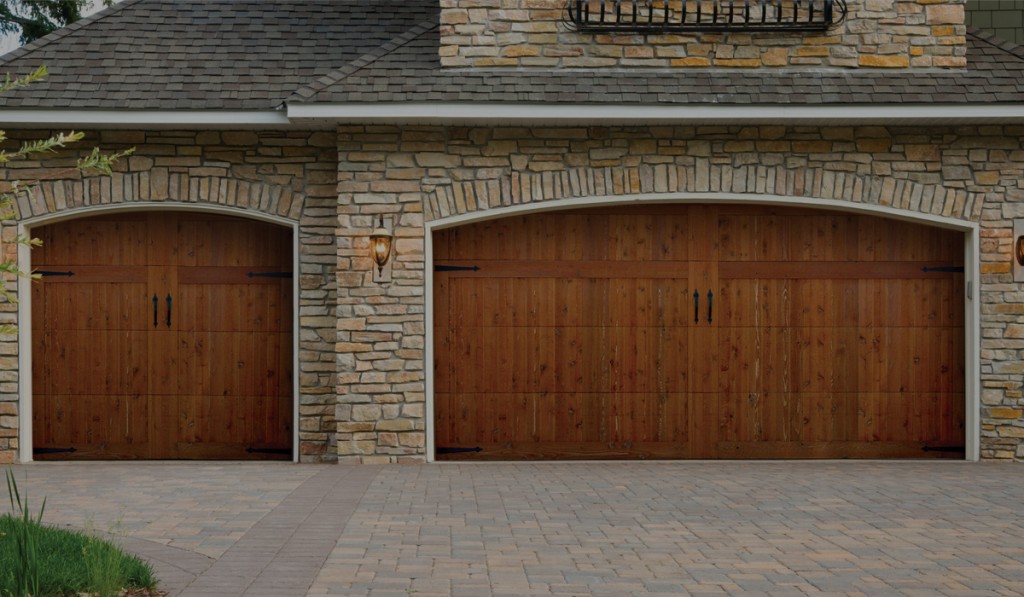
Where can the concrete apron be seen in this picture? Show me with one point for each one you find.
(620, 528)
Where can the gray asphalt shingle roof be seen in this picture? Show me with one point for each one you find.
(204, 54)
(258, 54)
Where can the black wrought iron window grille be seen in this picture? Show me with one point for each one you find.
(684, 16)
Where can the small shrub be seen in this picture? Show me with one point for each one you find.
(42, 561)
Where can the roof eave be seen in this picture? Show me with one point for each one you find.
(306, 115)
(33, 117)
(547, 113)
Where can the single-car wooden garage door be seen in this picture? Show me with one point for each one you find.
(162, 335)
(674, 331)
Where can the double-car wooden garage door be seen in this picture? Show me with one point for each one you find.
(698, 332)
(162, 335)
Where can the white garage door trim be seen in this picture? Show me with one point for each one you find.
(972, 251)
(25, 303)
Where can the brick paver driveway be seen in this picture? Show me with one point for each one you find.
(726, 528)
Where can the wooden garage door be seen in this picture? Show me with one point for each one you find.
(698, 332)
(162, 335)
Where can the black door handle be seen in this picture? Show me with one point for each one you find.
(155, 301)
(168, 310)
(711, 298)
(696, 300)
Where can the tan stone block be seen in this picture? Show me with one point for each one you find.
(988, 177)
(1011, 432)
(352, 347)
(886, 61)
(452, 16)
(639, 52)
(519, 51)
(395, 186)
(667, 40)
(138, 163)
(240, 138)
(395, 425)
(774, 146)
(357, 447)
(415, 439)
(942, 14)
(812, 146)
(775, 57)
(366, 412)
(494, 61)
(691, 61)
(923, 153)
(414, 411)
(950, 61)
(873, 145)
(1002, 412)
(1000, 268)
(7, 456)
(812, 51)
(699, 49)
(355, 427)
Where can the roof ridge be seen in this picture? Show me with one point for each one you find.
(992, 39)
(65, 31)
(307, 91)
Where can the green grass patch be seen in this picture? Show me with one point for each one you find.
(70, 562)
(41, 561)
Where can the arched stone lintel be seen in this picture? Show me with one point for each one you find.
(53, 197)
(519, 188)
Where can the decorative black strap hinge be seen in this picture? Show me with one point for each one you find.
(945, 268)
(456, 268)
(953, 449)
(44, 273)
(52, 450)
(457, 450)
(269, 274)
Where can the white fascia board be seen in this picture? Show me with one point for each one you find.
(567, 113)
(123, 118)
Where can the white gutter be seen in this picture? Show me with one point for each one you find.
(200, 118)
(498, 112)
(566, 113)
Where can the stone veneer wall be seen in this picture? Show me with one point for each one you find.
(288, 174)
(418, 174)
(877, 33)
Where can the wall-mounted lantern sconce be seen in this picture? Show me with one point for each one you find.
(380, 247)
(1017, 261)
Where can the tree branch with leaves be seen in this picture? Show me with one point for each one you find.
(32, 19)
(95, 162)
